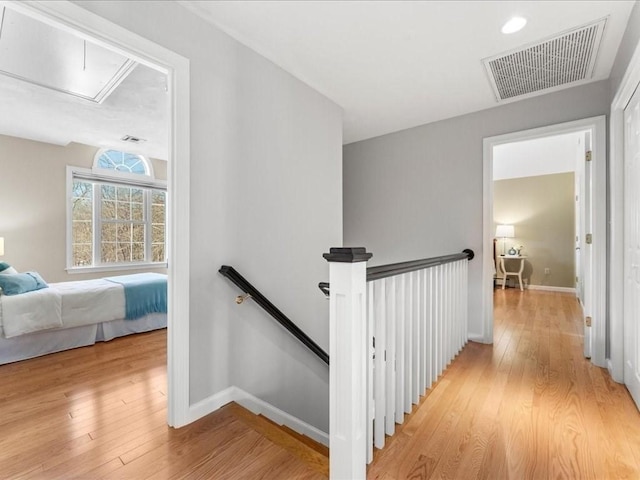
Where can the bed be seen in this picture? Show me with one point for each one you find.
(76, 314)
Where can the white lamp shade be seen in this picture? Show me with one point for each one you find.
(505, 231)
(1, 246)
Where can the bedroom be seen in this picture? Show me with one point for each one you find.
(60, 173)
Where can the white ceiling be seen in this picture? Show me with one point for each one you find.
(393, 65)
(541, 156)
(106, 100)
(137, 107)
(390, 65)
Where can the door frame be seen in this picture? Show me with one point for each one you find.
(75, 18)
(628, 85)
(599, 201)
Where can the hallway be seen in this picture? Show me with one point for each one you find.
(528, 407)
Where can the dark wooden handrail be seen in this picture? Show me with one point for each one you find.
(391, 269)
(233, 275)
(383, 271)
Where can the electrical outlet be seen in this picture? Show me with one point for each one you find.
(547, 271)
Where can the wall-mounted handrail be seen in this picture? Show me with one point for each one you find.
(391, 269)
(253, 293)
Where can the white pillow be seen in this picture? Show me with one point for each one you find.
(6, 269)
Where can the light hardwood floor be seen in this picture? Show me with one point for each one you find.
(100, 412)
(528, 407)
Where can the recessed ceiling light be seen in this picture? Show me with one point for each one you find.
(515, 24)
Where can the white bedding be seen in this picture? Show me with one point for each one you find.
(55, 340)
(30, 312)
(62, 305)
(90, 301)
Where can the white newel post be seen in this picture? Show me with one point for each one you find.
(348, 364)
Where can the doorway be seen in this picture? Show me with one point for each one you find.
(537, 196)
(595, 282)
(71, 17)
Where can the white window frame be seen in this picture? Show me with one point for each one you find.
(114, 177)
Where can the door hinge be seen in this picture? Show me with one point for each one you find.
(589, 239)
(577, 280)
(587, 321)
(587, 156)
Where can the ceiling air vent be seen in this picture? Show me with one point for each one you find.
(566, 58)
(132, 139)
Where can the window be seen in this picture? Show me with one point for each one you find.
(117, 213)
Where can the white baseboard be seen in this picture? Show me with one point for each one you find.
(274, 414)
(611, 372)
(258, 407)
(478, 338)
(549, 288)
(211, 404)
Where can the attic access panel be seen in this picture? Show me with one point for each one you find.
(44, 55)
(564, 59)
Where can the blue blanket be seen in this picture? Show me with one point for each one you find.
(143, 293)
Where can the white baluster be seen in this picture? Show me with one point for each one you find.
(423, 331)
(448, 314)
(390, 420)
(415, 338)
(400, 348)
(465, 306)
(408, 337)
(380, 297)
(429, 324)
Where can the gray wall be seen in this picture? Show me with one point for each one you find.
(33, 199)
(418, 192)
(266, 178)
(542, 211)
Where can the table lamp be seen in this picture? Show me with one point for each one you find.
(504, 232)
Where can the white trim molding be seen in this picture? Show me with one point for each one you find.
(258, 407)
(548, 288)
(71, 17)
(597, 125)
(627, 87)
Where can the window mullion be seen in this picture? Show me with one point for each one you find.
(147, 222)
(97, 225)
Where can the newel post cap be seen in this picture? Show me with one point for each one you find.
(347, 254)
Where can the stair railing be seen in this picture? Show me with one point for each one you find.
(393, 331)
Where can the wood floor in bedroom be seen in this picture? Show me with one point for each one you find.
(100, 412)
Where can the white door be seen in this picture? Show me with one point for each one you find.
(632, 246)
(586, 247)
(579, 213)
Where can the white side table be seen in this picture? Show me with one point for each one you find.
(504, 270)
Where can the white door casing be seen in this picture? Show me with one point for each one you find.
(579, 195)
(632, 246)
(66, 15)
(586, 248)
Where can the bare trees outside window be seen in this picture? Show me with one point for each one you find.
(122, 222)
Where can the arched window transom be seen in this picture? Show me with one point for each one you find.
(118, 161)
